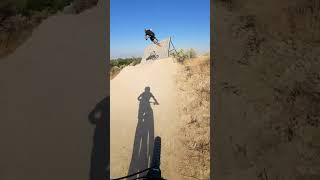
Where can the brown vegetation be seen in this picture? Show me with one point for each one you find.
(18, 18)
(193, 83)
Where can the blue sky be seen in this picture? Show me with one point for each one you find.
(186, 21)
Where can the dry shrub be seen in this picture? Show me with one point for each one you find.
(182, 55)
(114, 71)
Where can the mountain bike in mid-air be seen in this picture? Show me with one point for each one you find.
(154, 172)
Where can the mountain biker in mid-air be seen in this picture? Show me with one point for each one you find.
(150, 34)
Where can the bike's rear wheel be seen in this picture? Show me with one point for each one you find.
(156, 41)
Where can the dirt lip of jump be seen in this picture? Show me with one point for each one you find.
(125, 134)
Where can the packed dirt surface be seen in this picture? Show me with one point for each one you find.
(128, 154)
(134, 124)
(266, 90)
(48, 86)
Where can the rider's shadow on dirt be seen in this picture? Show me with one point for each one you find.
(144, 137)
(99, 116)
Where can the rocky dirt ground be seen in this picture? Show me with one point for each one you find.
(266, 95)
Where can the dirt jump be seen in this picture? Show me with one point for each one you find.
(134, 123)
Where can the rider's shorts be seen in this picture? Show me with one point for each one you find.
(152, 38)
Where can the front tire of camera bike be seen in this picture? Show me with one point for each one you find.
(156, 152)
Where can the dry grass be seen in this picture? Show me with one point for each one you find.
(193, 83)
(114, 71)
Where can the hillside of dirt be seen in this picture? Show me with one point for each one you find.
(134, 124)
(193, 86)
(48, 87)
(267, 93)
(181, 118)
(18, 18)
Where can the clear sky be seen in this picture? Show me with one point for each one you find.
(186, 21)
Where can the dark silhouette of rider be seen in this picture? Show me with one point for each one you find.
(144, 135)
(150, 34)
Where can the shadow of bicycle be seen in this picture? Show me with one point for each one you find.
(144, 136)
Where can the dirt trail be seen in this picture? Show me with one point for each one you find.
(125, 130)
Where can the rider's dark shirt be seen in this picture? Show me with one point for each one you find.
(150, 33)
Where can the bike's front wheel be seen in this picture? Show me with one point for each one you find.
(156, 152)
(155, 172)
